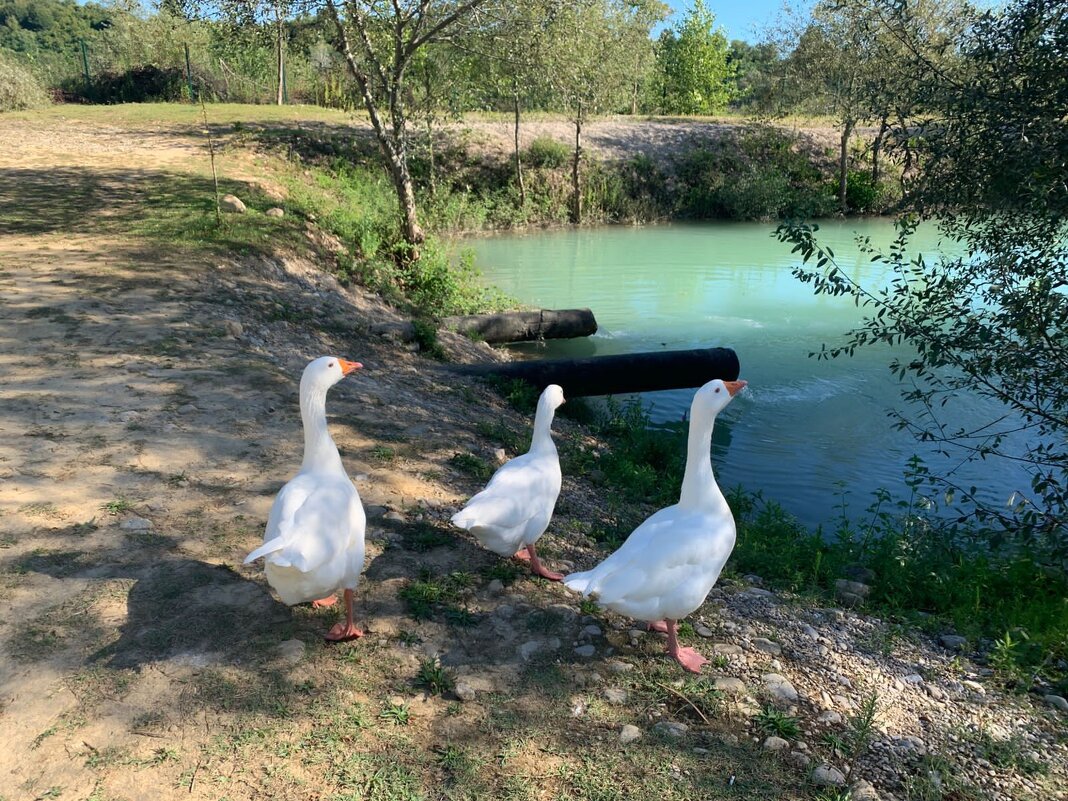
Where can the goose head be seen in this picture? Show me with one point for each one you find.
(552, 397)
(713, 397)
(324, 372)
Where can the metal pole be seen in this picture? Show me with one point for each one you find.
(85, 62)
(189, 75)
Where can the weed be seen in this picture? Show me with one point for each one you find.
(1007, 753)
(471, 465)
(512, 441)
(521, 396)
(504, 571)
(434, 677)
(588, 606)
(36, 509)
(116, 507)
(423, 536)
(454, 761)
(426, 337)
(397, 714)
(383, 453)
(774, 721)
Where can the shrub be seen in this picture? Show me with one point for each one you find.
(548, 153)
(19, 88)
(146, 83)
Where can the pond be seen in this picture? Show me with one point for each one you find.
(807, 433)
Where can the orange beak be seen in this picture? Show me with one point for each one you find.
(349, 367)
(734, 387)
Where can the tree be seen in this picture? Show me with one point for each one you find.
(695, 73)
(991, 146)
(587, 67)
(387, 39)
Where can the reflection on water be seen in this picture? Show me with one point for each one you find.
(804, 427)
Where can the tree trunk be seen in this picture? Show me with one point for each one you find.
(615, 375)
(429, 127)
(876, 150)
(843, 165)
(516, 326)
(279, 98)
(576, 184)
(395, 148)
(518, 158)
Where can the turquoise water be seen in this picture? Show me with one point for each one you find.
(806, 433)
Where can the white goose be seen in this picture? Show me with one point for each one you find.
(667, 566)
(314, 542)
(514, 509)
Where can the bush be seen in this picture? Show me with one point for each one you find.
(143, 84)
(19, 88)
(548, 153)
(862, 193)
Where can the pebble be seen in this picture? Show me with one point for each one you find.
(847, 587)
(136, 524)
(500, 456)
(291, 651)
(592, 631)
(495, 587)
(464, 691)
(775, 744)
(862, 790)
(935, 692)
(729, 685)
(1057, 701)
(618, 666)
(530, 649)
(615, 695)
(827, 776)
(671, 728)
(275, 212)
(758, 594)
(780, 688)
(912, 678)
(585, 651)
(829, 718)
(726, 649)
(233, 328)
(703, 631)
(397, 517)
(767, 646)
(800, 759)
(809, 632)
(629, 733)
(974, 686)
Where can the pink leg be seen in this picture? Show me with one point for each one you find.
(660, 626)
(687, 657)
(523, 555)
(329, 600)
(539, 569)
(347, 630)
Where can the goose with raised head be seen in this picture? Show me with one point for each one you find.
(314, 542)
(667, 566)
(513, 511)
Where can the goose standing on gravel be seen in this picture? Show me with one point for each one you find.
(514, 509)
(314, 542)
(667, 566)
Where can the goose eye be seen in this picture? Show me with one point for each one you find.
(332, 364)
(717, 389)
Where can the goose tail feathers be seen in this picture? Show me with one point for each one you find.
(269, 547)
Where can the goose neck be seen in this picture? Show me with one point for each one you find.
(543, 421)
(699, 486)
(320, 452)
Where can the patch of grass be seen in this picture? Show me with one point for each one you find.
(40, 509)
(588, 606)
(422, 536)
(505, 571)
(512, 441)
(116, 507)
(429, 594)
(1007, 753)
(383, 453)
(434, 677)
(426, 337)
(937, 779)
(522, 397)
(773, 721)
(471, 465)
(397, 714)
(860, 727)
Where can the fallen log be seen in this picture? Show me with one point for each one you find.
(525, 326)
(622, 374)
(519, 326)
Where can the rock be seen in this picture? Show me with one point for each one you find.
(780, 688)
(853, 587)
(850, 599)
(629, 733)
(291, 651)
(935, 692)
(232, 204)
(275, 212)
(374, 512)
(862, 790)
(703, 631)
(913, 678)
(591, 631)
(136, 524)
(954, 642)
(974, 686)
(233, 328)
(756, 593)
(464, 691)
(913, 744)
(500, 456)
(827, 776)
(615, 695)
(859, 573)
(1056, 701)
(809, 632)
(670, 728)
(775, 744)
(529, 649)
(729, 685)
(396, 517)
(585, 651)
(563, 611)
(767, 646)
(800, 759)
(726, 649)
(829, 718)
(618, 667)
(495, 587)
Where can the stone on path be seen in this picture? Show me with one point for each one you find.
(780, 688)
(291, 651)
(629, 733)
(232, 204)
(767, 646)
(671, 728)
(729, 685)
(136, 524)
(827, 776)
(954, 642)
(275, 212)
(1057, 701)
(775, 744)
